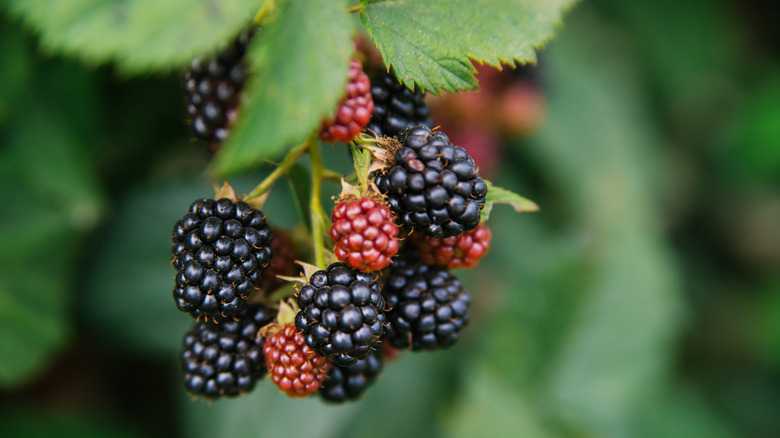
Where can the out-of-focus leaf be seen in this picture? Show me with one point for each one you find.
(599, 147)
(15, 71)
(300, 67)
(128, 296)
(680, 412)
(431, 44)
(488, 407)
(50, 200)
(752, 148)
(139, 35)
(42, 424)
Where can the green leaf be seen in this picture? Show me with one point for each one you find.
(498, 195)
(139, 35)
(300, 67)
(432, 43)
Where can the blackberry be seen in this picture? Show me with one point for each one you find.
(364, 233)
(294, 367)
(212, 89)
(225, 360)
(342, 313)
(463, 251)
(434, 186)
(428, 306)
(220, 249)
(353, 112)
(396, 107)
(349, 383)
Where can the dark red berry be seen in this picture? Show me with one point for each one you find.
(365, 234)
(292, 365)
(353, 112)
(463, 251)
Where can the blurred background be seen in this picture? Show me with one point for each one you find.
(643, 300)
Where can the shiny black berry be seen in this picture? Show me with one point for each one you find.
(349, 383)
(212, 89)
(342, 314)
(220, 249)
(428, 306)
(434, 187)
(225, 360)
(396, 107)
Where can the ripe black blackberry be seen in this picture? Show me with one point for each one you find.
(342, 314)
(428, 305)
(212, 89)
(434, 186)
(396, 107)
(225, 360)
(349, 383)
(220, 249)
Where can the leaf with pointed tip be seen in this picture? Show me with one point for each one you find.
(431, 44)
(503, 196)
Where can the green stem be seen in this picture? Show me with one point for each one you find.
(291, 158)
(318, 219)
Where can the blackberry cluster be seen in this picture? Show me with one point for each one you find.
(434, 186)
(428, 305)
(212, 89)
(220, 249)
(341, 314)
(225, 360)
(396, 107)
(349, 383)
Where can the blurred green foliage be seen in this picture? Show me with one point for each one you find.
(643, 300)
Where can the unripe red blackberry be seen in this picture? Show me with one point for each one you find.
(220, 249)
(463, 251)
(292, 365)
(433, 187)
(396, 107)
(350, 382)
(212, 89)
(342, 313)
(353, 112)
(428, 306)
(364, 233)
(225, 360)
